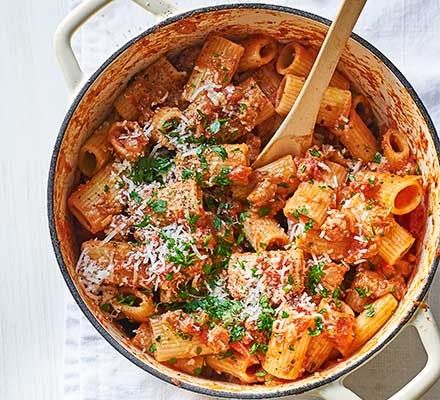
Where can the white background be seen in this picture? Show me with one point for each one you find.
(33, 103)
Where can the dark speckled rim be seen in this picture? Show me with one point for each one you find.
(68, 278)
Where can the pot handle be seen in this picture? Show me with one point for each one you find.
(430, 336)
(67, 60)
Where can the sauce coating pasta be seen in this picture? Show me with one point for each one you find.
(255, 276)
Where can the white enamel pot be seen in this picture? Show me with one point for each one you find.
(392, 97)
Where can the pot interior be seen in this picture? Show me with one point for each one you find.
(394, 103)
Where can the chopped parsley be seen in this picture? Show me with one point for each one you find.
(377, 158)
(145, 221)
(260, 374)
(220, 151)
(217, 124)
(187, 174)
(106, 188)
(319, 326)
(192, 220)
(242, 107)
(258, 348)
(197, 371)
(303, 210)
(308, 225)
(336, 294)
(236, 333)
(263, 211)
(169, 276)
(152, 348)
(217, 223)
(106, 307)
(158, 205)
(284, 314)
(218, 309)
(149, 169)
(223, 179)
(314, 153)
(135, 197)
(266, 318)
(363, 291)
(128, 300)
(370, 310)
(314, 276)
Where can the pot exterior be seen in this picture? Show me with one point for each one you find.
(395, 104)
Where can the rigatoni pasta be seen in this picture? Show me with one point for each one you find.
(96, 151)
(219, 270)
(335, 103)
(258, 51)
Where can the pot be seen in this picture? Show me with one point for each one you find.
(393, 100)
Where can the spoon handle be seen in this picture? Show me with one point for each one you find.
(295, 134)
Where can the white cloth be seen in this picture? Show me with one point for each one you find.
(408, 32)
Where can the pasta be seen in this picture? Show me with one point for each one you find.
(399, 194)
(168, 344)
(268, 80)
(395, 148)
(356, 137)
(311, 201)
(369, 321)
(215, 66)
(95, 202)
(287, 349)
(149, 88)
(335, 103)
(395, 243)
(264, 233)
(220, 270)
(233, 364)
(297, 60)
(258, 51)
(96, 151)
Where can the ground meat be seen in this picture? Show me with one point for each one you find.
(337, 226)
(254, 143)
(333, 276)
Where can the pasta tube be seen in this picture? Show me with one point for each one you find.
(294, 59)
(356, 137)
(234, 364)
(312, 243)
(369, 321)
(395, 148)
(395, 244)
(96, 151)
(258, 51)
(151, 87)
(335, 103)
(287, 349)
(95, 202)
(319, 351)
(216, 65)
(310, 200)
(138, 313)
(399, 194)
(167, 344)
(264, 233)
(192, 366)
(268, 80)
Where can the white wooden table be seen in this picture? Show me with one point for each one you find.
(34, 100)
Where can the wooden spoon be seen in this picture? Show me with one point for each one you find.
(295, 134)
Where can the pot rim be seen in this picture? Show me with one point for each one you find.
(69, 280)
